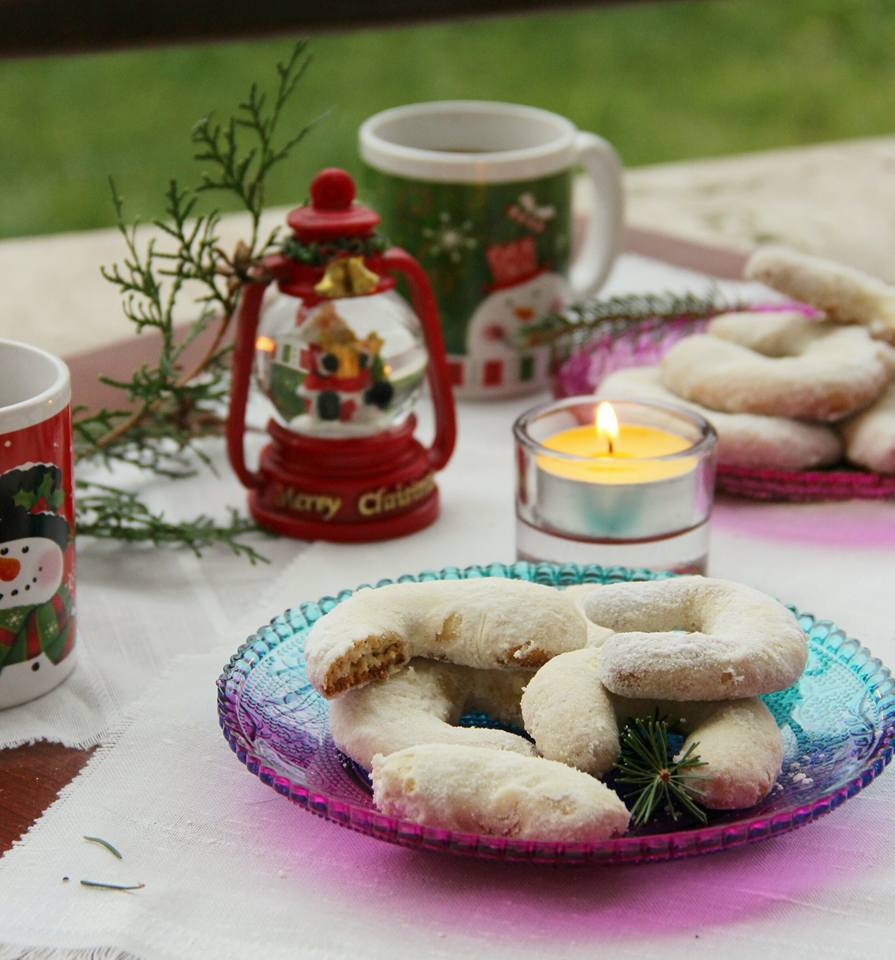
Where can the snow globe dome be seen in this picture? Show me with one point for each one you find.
(339, 353)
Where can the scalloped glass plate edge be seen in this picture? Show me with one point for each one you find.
(713, 838)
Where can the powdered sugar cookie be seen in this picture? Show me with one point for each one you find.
(744, 439)
(422, 703)
(870, 435)
(494, 792)
(595, 633)
(490, 622)
(575, 720)
(845, 295)
(570, 715)
(835, 372)
(738, 741)
(695, 638)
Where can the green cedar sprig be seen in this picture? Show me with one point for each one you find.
(244, 173)
(169, 404)
(658, 782)
(108, 513)
(581, 322)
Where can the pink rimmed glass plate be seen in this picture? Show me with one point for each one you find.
(838, 726)
(643, 344)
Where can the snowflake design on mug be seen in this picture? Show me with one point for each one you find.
(449, 239)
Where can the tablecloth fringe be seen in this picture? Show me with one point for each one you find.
(79, 743)
(11, 952)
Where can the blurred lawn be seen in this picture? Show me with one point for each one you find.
(663, 82)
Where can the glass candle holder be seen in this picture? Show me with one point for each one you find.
(639, 498)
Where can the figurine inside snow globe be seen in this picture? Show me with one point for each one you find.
(339, 352)
(341, 356)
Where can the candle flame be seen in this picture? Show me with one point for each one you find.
(607, 424)
(266, 344)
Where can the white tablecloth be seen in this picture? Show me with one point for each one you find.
(233, 870)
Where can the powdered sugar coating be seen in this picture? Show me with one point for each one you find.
(833, 372)
(870, 435)
(491, 622)
(495, 792)
(570, 715)
(596, 635)
(422, 703)
(844, 294)
(695, 638)
(744, 439)
(575, 720)
(738, 741)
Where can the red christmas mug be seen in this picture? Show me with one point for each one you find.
(37, 522)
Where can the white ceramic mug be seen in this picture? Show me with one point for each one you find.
(37, 552)
(481, 194)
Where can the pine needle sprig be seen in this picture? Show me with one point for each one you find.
(178, 398)
(580, 322)
(109, 513)
(658, 782)
(244, 173)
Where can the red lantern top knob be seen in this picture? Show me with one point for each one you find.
(332, 189)
(332, 212)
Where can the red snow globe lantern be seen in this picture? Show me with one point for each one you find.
(342, 358)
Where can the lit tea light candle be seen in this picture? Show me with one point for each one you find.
(619, 483)
(614, 453)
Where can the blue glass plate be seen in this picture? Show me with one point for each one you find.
(837, 722)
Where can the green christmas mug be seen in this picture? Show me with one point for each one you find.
(481, 194)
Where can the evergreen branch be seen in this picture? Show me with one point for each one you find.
(245, 174)
(109, 513)
(657, 781)
(177, 399)
(581, 322)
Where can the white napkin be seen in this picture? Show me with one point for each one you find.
(139, 607)
(233, 870)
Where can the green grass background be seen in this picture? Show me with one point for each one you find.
(663, 81)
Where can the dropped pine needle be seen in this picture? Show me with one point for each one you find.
(105, 843)
(98, 885)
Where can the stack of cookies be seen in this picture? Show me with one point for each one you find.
(789, 389)
(401, 664)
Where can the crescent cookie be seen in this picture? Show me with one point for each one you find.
(595, 633)
(488, 622)
(738, 741)
(744, 439)
(695, 638)
(831, 372)
(845, 295)
(494, 792)
(870, 435)
(575, 720)
(422, 703)
(788, 333)
(570, 715)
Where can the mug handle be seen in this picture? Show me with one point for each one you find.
(603, 239)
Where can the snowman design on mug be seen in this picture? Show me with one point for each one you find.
(36, 623)
(523, 291)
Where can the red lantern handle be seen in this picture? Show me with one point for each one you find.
(397, 260)
(247, 317)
